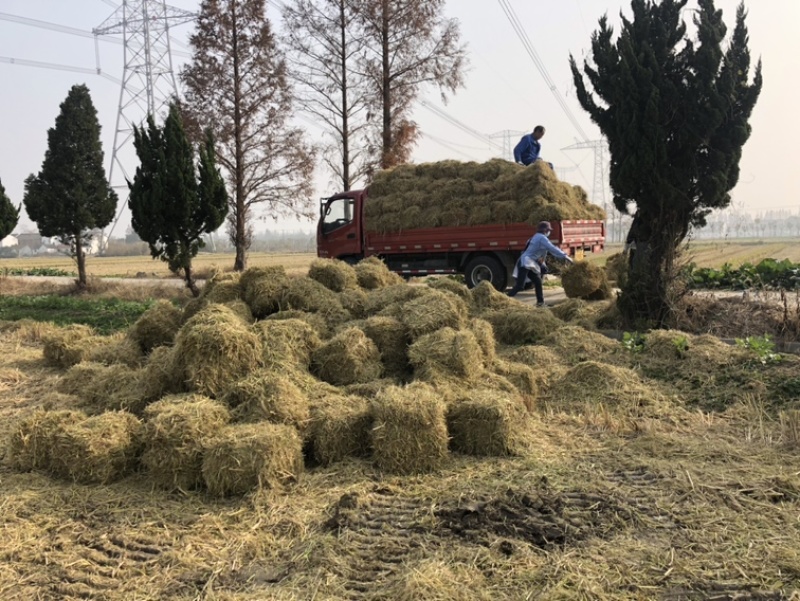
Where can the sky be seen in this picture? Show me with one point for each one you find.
(507, 91)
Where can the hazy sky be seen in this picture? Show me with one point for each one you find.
(505, 91)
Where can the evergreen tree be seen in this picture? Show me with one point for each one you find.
(71, 194)
(675, 113)
(237, 86)
(9, 214)
(171, 209)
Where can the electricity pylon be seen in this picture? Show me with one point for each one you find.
(599, 183)
(148, 80)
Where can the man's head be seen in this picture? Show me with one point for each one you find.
(544, 227)
(538, 132)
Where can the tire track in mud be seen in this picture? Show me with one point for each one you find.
(378, 533)
(91, 567)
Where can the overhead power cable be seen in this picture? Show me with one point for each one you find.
(42, 65)
(463, 127)
(526, 42)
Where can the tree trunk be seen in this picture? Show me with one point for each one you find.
(80, 258)
(386, 155)
(345, 107)
(191, 284)
(240, 233)
(645, 301)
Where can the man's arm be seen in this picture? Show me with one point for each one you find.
(519, 149)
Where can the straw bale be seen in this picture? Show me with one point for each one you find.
(314, 389)
(114, 388)
(448, 284)
(522, 376)
(432, 312)
(241, 309)
(30, 443)
(192, 308)
(349, 357)
(480, 215)
(369, 389)
(690, 352)
(486, 298)
(65, 347)
(98, 450)
(489, 380)
(484, 334)
(247, 457)
(340, 427)
(118, 348)
(222, 289)
(575, 344)
(448, 354)
(263, 290)
(333, 274)
(54, 401)
(409, 434)
(287, 343)
(157, 326)
(268, 396)
(74, 380)
(617, 268)
(522, 324)
(391, 299)
(548, 367)
(372, 274)
(583, 279)
(178, 429)
(391, 338)
(591, 385)
(161, 374)
(571, 310)
(488, 423)
(316, 321)
(355, 302)
(214, 349)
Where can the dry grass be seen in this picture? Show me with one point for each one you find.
(633, 497)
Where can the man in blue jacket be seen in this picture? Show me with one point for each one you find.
(526, 152)
(531, 263)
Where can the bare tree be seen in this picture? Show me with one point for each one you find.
(237, 86)
(408, 45)
(324, 39)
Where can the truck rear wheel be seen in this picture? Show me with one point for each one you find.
(485, 269)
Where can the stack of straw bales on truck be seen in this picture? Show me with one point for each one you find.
(266, 374)
(454, 194)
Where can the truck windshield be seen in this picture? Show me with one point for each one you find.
(338, 214)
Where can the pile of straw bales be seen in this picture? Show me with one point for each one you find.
(452, 194)
(336, 365)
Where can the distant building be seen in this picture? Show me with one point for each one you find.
(29, 243)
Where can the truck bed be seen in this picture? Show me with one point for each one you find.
(585, 234)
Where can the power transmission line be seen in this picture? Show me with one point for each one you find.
(520, 31)
(43, 65)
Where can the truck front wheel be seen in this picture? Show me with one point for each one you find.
(486, 269)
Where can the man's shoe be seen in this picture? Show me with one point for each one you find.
(543, 304)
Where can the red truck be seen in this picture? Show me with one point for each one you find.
(480, 252)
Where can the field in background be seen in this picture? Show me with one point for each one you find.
(704, 254)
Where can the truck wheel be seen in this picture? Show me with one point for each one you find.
(485, 269)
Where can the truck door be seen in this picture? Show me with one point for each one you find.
(337, 233)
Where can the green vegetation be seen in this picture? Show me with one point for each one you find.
(105, 315)
(48, 271)
(769, 273)
(762, 347)
(633, 342)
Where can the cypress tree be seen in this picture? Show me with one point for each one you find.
(675, 113)
(9, 214)
(170, 208)
(71, 194)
